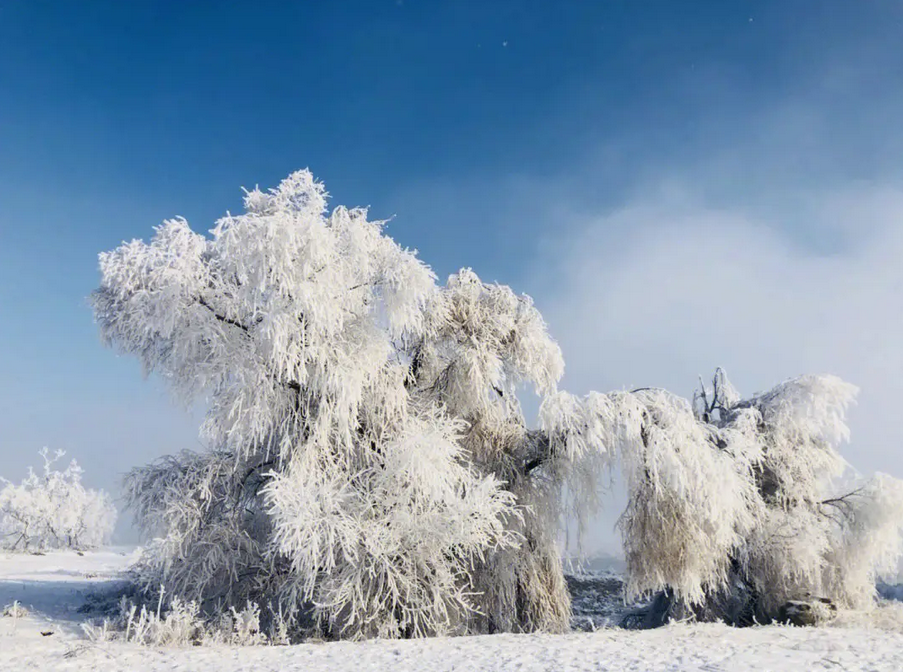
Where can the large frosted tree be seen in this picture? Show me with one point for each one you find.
(369, 464)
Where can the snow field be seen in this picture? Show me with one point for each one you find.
(53, 587)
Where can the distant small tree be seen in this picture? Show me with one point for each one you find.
(53, 510)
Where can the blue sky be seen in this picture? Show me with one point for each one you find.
(552, 146)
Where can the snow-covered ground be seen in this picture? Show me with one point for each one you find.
(54, 587)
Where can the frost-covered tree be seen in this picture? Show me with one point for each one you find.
(734, 508)
(369, 464)
(53, 510)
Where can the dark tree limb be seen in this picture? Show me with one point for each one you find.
(290, 384)
(537, 451)
(222, 318)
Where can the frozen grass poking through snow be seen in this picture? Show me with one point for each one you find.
(181, 625)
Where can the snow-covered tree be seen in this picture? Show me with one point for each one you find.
(369, 464)
(734, 508)
(53, 510)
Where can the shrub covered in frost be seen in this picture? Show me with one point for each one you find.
(734, 505)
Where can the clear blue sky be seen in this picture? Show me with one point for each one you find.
(458, 118)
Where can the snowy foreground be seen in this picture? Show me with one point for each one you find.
(54, 587)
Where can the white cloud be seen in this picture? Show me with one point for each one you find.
(656, 294)
(653, 294)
